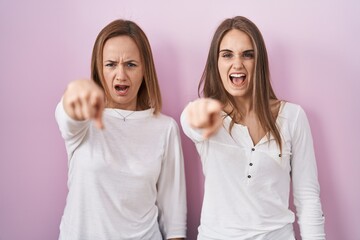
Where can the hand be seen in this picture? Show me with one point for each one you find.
(204, 113)
(83, 100)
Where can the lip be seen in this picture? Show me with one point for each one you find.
(237, 79)
(121, 89)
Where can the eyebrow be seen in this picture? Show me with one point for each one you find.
(250, 50)
(108, 60)
(228, 50)
(115, 61)
(225, 50)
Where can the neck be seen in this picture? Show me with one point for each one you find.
(123, 106)
(243, 108)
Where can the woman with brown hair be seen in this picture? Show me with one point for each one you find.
(252, 145)
(126, 171)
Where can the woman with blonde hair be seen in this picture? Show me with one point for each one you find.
(126, 171)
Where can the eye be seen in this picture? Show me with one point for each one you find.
(110, 64)
(227, 55)
(131, 64)
(248, 55)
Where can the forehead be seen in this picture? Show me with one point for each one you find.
(121, 46)
(236, 40)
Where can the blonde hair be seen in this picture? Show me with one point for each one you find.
(149, 95)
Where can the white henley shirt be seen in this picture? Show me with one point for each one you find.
(247, 187)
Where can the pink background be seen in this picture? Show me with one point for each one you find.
(314, 55)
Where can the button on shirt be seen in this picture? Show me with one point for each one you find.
(247, 187)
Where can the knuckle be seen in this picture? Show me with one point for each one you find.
(84, 95)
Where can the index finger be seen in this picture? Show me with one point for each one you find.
(98, 106)
(213, 106)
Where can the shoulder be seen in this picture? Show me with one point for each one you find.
(165, 120)
(293, 115)
(290, 111)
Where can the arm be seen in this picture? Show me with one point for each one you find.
(203, 114)
(83, 100)
(72, 112)
(171, 199)
(306, 187)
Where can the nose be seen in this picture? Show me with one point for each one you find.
(238, 62)
(120, 73)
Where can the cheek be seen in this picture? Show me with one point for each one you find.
(222, 69)
(250, 67)
(136, 79)
(107, 75)
(107, 78)
(224, 78)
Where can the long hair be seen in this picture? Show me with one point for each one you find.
(262, 91)
(149, 95)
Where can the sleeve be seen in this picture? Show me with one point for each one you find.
(71, 130)
(306, 189)
(171, 199)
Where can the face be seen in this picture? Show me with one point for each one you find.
(236, 64)
(123, 72)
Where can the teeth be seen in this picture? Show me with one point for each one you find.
(121, 88)
(237, 75)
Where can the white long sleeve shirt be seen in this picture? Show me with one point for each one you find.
(246, 193)
(126, 181)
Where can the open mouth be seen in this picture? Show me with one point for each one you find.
(237, 78)
(121, 89)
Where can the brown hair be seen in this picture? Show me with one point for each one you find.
(149, 95)
(262, 91)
